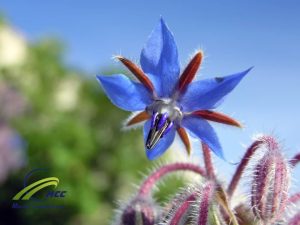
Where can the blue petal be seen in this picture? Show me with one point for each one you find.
(125, 93)
(203, 130)
(159, 60)
(208, 94)
(162, 145)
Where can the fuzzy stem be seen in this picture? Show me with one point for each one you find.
(182, 210)
(295, 160)
(204, 204)
(240, 169)
(148, 184)
(208, 162)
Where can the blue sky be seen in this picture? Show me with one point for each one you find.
(234, 35)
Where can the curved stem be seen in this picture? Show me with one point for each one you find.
(271, 145)
(176, 220)
(208, 162)
(148, 184)
(241, 167)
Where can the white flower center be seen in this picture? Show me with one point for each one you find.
(166, 106)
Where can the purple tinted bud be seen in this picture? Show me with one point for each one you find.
(270, 185)
(140, 211)
(162, 121)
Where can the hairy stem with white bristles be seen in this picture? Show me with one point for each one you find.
(148, 184)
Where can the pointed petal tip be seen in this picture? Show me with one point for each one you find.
(239, 76)
(250, 68)
(162, 21)
(221, 155)
(247, 70)
(164, 26)
(99, 77)
(102, 79)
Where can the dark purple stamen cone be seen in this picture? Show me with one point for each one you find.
(140, 211)
(162, 121)
(153, 119)
(270, 185)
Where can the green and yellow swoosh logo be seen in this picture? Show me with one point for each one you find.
(27, 192)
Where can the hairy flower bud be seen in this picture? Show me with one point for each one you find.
(270, 184)
(139, 211)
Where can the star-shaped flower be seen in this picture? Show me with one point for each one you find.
(168, 101)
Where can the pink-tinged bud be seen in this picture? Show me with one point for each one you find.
(140, 211)
(270, 184)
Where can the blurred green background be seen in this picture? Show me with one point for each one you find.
(54, 117)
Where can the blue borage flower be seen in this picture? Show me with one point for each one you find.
(167, 101)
